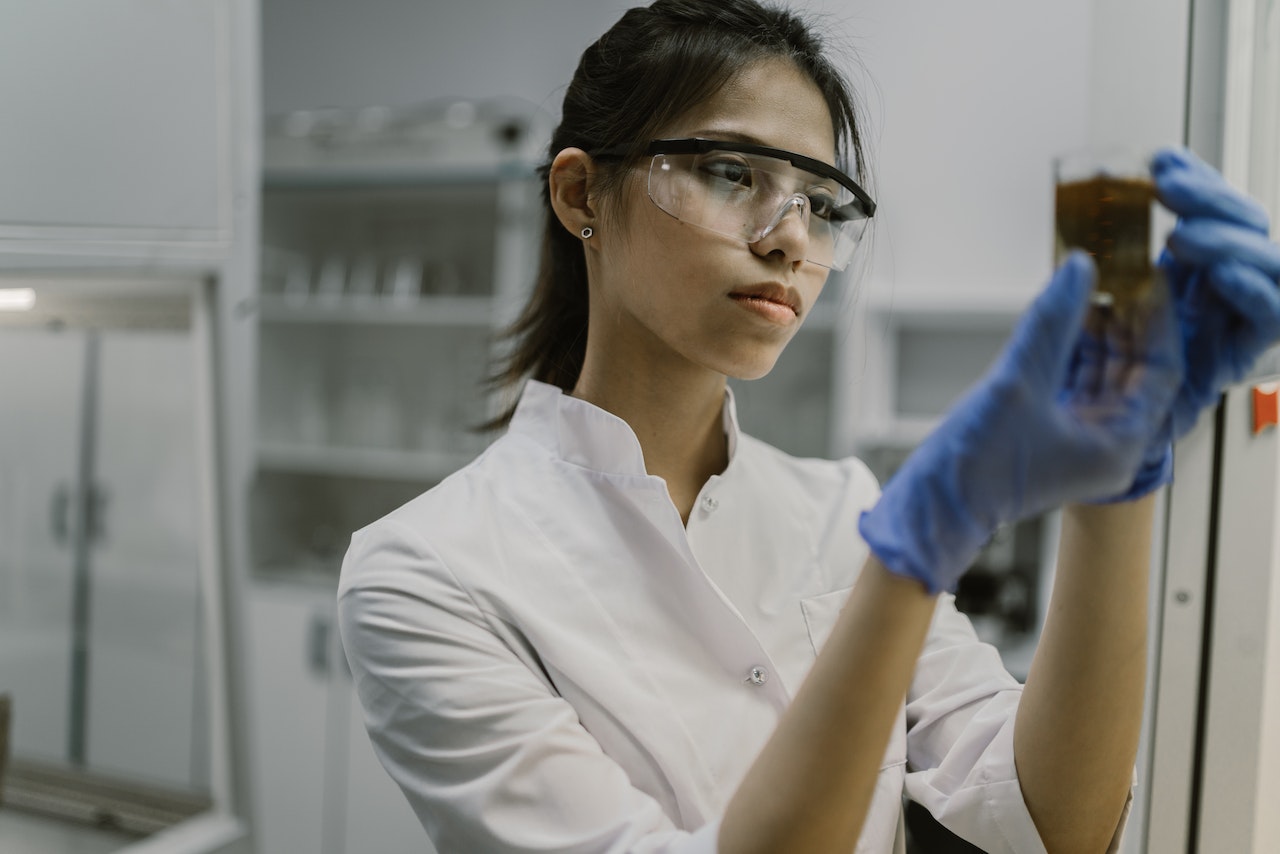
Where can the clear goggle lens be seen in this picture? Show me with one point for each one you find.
(747, 196)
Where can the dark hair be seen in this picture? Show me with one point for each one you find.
(651, 67)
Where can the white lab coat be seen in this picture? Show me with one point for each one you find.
(549, 660)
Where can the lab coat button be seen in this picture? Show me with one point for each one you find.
(758, 676)
(709, 503)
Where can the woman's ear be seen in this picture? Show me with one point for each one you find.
(570, 182)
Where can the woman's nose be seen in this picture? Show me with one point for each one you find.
(788, 233)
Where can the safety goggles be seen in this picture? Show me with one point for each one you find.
(745, 191)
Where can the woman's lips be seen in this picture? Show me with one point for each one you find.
(772, 301)
(778, 312)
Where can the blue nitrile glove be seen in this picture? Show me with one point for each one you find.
(1224, 275)
(1221, 271)
(1059, 417)
(1103, 342)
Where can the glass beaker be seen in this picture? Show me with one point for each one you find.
(1103, 204)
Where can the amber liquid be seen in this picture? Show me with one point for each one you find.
(1110, 218)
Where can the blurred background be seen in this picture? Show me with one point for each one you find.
(253, 254)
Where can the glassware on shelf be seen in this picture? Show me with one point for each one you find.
(384, 424)
(362, 285)
(297, 279)
(370, 412)
(294, 397)
(467, 397)
(311, 412)
(446, 279)
(431, 423)
(331, 281)
(405, 284)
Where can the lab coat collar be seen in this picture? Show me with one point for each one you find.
(585, 435)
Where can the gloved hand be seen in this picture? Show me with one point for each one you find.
(1225, 278)
(1060, 416)
(1222, 272)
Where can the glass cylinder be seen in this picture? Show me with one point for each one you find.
(1103, 204)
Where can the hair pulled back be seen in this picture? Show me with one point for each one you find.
(656, 63)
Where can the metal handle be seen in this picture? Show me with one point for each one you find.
(96, 511)
(60, 514)
(64, 503)
(318, 644)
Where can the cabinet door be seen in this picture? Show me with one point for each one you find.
(99, 553)
(39, 441)
(147, 710)
(379, 818)
(289, 637)
(116, 119)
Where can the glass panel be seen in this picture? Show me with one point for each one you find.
(41, 387)
(144, 690)
(100, 632)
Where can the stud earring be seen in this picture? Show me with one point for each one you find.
(587, 232)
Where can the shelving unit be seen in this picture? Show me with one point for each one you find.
(391, 255)
(393, 247)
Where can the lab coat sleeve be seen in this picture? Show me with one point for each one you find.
(960, 715)
(489, 756)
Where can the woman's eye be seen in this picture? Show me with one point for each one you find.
(821, 204)
(731, 171)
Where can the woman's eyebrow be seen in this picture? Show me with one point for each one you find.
(729, 135)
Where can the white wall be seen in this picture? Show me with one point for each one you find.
(967, 103)
(345, 53)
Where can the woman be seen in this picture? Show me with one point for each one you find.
(604, 634)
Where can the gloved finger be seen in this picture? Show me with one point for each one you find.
(1043, 342)
(1191, 296)
(1119, 364)
(1189, 187)
(1177, 156)
(1140, 343)
(1088, 363)
(1156, 366)
(1248, 291)
(1255, 298)
(1205, 242)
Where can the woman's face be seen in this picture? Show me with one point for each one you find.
(670, 293)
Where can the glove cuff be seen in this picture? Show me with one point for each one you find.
(1156, 471)
(923, 533)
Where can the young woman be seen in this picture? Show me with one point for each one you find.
(628, 626)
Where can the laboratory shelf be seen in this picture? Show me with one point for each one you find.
(338, 461)
(410, 174)
(449, 311)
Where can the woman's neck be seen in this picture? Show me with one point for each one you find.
(678, 422)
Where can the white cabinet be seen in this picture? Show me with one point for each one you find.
(916, 356)
(125, 142)
(120, 126)
(317, 785)
(289, 696)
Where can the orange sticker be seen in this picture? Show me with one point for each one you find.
(1266, 402)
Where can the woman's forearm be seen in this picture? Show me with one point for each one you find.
(1078, 724)
(811, 785)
